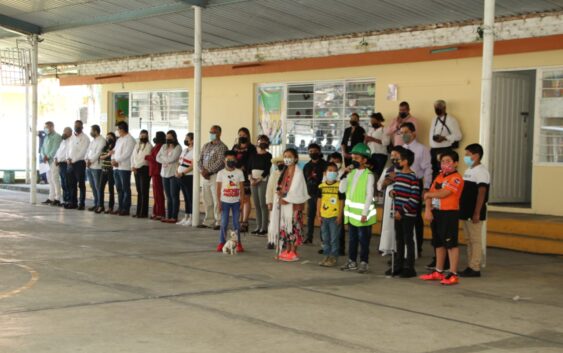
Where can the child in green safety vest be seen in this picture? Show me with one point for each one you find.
(359, 208)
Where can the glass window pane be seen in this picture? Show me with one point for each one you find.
(551, 117)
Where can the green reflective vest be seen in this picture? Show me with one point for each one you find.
(354, 205)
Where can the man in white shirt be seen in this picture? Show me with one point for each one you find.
(377, 141)
(121, 162)
(76, 166)
(60, 162)
(445, 135)
(423, 169)
(140, 169)
(94, 168)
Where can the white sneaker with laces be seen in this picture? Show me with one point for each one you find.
(183, 221)
(188, 221)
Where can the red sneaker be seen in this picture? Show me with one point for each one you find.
(291, 257)
(239, 247)
(450, 280)
(220, 247)
(283, 255)
(433, 276)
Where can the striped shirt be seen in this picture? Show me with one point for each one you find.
(407, 194)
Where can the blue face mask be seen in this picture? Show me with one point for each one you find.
(331, 176)
(468, 161)
(212, 137)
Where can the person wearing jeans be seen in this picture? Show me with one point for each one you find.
(230, 187)
(121, 163)
(260, 165)
(140, 168)
(60, 162)
(184, 178)
(94, 171)
(169, 156)
(329, 212)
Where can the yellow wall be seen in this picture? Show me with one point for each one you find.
(229, 101)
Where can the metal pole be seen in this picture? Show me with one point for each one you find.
(486, 90)
(197, 114)
(487, 75)
(27, 139)
(33, 155)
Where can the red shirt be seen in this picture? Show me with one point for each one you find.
(452, 182)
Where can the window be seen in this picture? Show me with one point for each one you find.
(550, 147)
(159, 111)
(319, 112)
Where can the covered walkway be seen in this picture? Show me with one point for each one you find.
(76, 282)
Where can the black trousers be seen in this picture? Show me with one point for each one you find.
(311, 215)
(76, 178)
(404, 236)
(107, 178)
(143, 184)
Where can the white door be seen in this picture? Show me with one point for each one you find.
(511, 137)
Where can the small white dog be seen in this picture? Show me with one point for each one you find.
(230, 246)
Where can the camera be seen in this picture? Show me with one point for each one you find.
(436, 138)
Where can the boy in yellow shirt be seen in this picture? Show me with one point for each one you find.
(329, 211)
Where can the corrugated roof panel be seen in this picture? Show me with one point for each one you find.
(228, 23)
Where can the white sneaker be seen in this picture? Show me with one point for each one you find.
(188, 221)
(183, 221)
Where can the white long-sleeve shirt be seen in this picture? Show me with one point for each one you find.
(445, 126)
(77, 147)
(122, 152)
(422, 165)
(379, 133)
(169, 158)
(94, 152)
(343, 188)
(138, 158)
(60, 156)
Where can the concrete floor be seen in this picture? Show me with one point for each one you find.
(72, 281)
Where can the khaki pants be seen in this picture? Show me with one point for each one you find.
(472, 232)
(210, 201)
(54, 181)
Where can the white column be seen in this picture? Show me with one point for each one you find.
(486, 93)
(487, 75)
(197, 114)
(27, 139)
(33, 155)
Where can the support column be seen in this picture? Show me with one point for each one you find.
(34, 41)
(197, 115)
(487, 76)
(27, 137)
(486, 94)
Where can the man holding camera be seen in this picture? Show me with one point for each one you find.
(445, 135)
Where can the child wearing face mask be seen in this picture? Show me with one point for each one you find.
(230, 187)
(442, 210)
(313, 172)
(329, 213)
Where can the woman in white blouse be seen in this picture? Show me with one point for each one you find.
(169, 156)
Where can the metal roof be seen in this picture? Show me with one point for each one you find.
(84, 30)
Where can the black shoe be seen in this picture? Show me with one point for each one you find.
(263, 232)
(47, 202)
(99, 210)
(255, 231)
(321, 251)
(342, 253)
(80, 208)
(270, 246)
(216, 227)
(469, 272)
(308, 241)
(63, 204)
(56, 203)
(407, 273)
(431, 265)
(71, 207)
(202, 226)
(392, 273)
(92, 209)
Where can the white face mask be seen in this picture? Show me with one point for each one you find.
(288, 161)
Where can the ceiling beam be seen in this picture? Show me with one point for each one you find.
(21, 27)
(129, 15)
